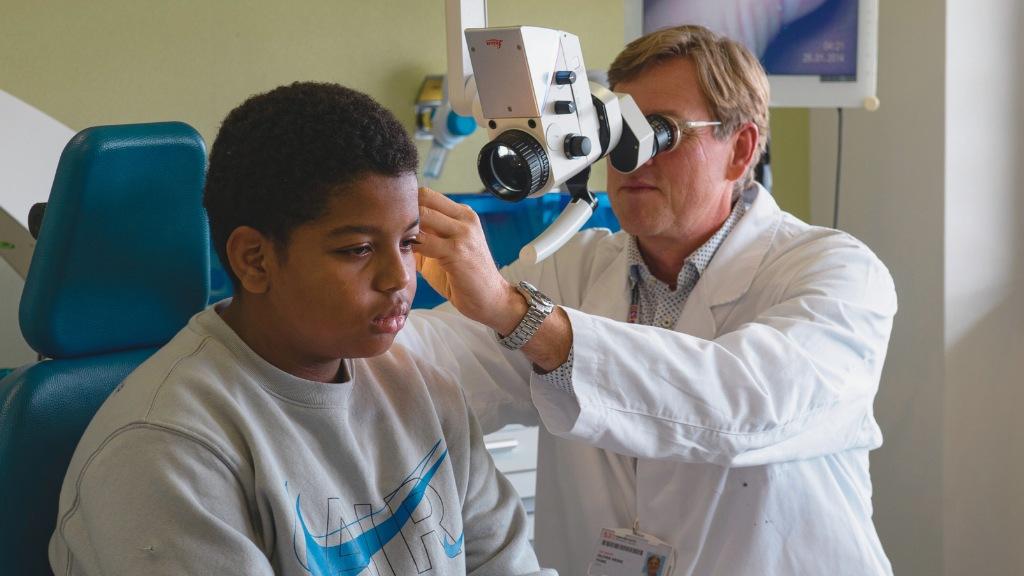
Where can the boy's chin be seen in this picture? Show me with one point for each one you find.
(372, 346)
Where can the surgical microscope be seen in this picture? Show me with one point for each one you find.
(547, 123)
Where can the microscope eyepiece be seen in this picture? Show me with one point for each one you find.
(666, 132)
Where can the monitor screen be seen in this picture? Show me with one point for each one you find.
(817, 53)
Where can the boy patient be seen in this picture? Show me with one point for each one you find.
(280, 432)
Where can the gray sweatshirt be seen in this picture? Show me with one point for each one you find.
(210, 460)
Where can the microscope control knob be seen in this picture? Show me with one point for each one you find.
(563, 77)
(564, 107)
(577, 146)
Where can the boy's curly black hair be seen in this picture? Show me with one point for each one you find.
(279, 157)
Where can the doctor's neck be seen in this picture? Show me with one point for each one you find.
(666, 253)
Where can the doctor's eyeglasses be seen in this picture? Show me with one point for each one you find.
(689, 128)
(670, 131)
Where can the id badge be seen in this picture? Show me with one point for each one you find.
(628, 552)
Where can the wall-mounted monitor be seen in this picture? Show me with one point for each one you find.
(817, 53)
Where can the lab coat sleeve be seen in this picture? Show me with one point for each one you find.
(494, 519)
(796, 382)
(496, 381)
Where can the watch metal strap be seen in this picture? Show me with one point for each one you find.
(540, 308)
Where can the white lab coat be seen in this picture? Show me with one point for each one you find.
(741, 437)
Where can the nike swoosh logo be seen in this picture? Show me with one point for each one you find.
(352, 557)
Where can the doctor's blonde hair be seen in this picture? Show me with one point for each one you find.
(730, 77)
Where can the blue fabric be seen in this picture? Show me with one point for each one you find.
(121, 264)
(123, 226)
(220, 283)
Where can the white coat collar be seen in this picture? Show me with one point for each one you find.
(726, 279)
(608, 292)
(732, 270)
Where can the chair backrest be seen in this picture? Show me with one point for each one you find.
(121, 264)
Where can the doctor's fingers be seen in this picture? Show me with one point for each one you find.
(463, 239)
(436, 201)
(430, 246)
(455, 253)
(434, 274)
(442, 225)
(443, 207)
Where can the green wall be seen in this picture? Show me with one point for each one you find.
(790, 131)
(116, 61)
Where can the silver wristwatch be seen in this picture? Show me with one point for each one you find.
(540, 307)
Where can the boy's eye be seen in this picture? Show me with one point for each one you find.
(362, 250)
(408, 243)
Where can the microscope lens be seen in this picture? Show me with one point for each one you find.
(506, 164)
(513, 165)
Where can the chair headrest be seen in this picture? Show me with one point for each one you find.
(122, 259)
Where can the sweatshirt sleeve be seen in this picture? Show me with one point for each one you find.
(796, 382)
(493, 517)
(156, 501)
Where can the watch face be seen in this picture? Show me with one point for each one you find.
(540, 308)
(528, 290)
(536, 297)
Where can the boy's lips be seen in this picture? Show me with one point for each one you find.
(393, 320)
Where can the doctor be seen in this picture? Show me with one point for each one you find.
(706, 374)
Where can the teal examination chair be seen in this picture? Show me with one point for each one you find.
(121, 264)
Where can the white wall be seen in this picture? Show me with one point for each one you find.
(930, 181)
(30, 146)
(984, 296)
(891, 198)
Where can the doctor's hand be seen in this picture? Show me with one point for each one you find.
(452, 255)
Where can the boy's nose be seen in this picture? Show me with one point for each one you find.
(395, 272)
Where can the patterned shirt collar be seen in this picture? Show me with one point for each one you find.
(699, 259)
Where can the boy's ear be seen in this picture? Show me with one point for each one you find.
(249, 252)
